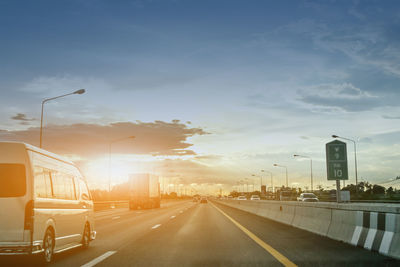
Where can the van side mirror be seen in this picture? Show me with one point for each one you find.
(85, 196)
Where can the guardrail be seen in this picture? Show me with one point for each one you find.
(105, 205)
(375, 201)
(394, 201)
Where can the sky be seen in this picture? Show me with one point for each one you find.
(213, 91)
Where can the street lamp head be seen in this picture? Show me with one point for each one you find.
(80, 91)
(295, 155)
(335, 136)
(275, 164)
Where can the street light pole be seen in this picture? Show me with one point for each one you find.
(272, 183)
(260, 181)
(312, 188)
(79, 92)
(109, 158)
(355, 157)
(287, 180)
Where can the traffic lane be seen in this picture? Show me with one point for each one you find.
(111, 234)
(101, 216)
(202, 236)
(305, 248)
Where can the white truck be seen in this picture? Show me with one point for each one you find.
(144, 191)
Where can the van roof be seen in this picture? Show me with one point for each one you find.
(38, 150)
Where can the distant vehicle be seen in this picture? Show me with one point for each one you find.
(230, 197)
(307, 197)
(144, 191)
(203, 200)
(46, 207)
(254, 197)
(194, 199)
(285, 195)
(241, 198)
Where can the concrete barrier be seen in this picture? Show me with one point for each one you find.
(392, 233)
(313, 218)
(372, 226)
(343, 225)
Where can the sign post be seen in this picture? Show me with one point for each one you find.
(336, 163)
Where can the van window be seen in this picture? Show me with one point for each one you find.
(69, 187)
(58, 185)
(12, 180)
(42, 183)
(63, 185)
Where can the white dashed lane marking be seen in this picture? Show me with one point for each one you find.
(99, 259)
(156, 226)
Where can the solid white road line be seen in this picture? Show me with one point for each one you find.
(156, 226)
(116, 217)
(99, 259)
(173, 216)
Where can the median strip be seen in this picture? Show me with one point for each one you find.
(282, 259)
(99, 259)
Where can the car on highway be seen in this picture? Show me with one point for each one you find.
(255, 197)
(307, 197)
(203, 200)
(241, 198)
(46, 206)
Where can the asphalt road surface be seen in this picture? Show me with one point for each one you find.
(192, 234)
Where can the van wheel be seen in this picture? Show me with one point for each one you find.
(48, 246)
(86, 236)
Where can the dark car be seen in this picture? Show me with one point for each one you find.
(203, 200)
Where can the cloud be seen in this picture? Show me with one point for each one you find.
(154, 138)
(21, 117)
(207, 169)
(371, 44)
(345, 97)
(24, 120)
(388, 117)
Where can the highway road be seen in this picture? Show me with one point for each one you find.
(188, 233)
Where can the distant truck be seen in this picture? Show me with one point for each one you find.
(144, 191)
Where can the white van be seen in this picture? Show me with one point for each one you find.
(45, 204)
